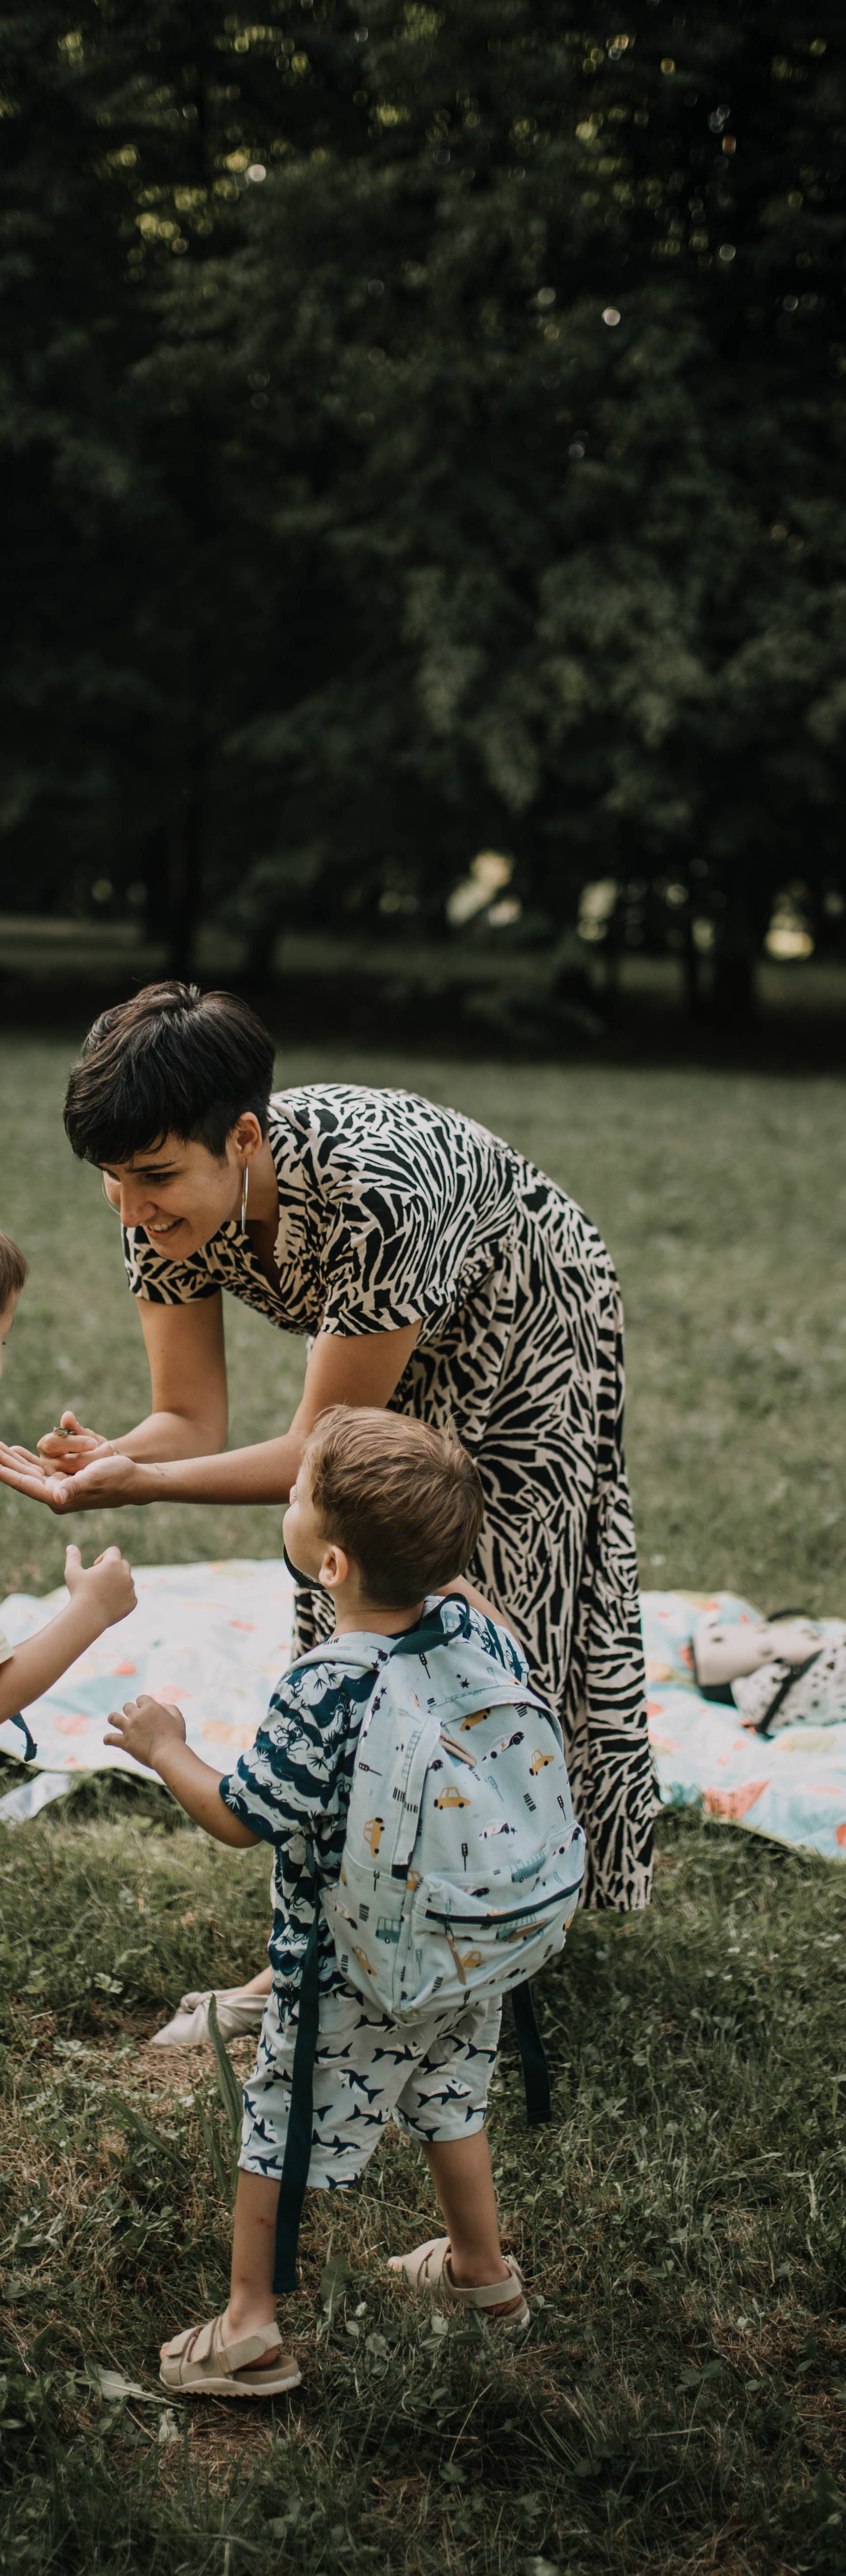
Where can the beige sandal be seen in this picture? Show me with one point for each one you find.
(427, 2268)
(238, 2013)
(200, 2364)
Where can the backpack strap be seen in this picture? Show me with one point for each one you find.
(420, 1641)
(297, 2157)
(533, 2056)
(30, 1751)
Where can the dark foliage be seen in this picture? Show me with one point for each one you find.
(423, 429)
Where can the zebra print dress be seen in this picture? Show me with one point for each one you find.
(394, 1211)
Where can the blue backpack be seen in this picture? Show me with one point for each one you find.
(462, 1862)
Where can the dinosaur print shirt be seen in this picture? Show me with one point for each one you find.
(293, 1788)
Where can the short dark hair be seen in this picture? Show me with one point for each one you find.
(171, 1062)
(12, 1270)
(404, 1498)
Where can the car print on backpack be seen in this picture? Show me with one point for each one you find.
(539, 1761)
(372, 1833)
(450, 1796)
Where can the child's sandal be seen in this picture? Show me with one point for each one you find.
(427, 2268)
(199, 2364)
(238, 2013)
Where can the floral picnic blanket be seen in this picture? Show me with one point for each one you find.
(214, 1639)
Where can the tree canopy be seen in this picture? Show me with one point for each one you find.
(423, 429)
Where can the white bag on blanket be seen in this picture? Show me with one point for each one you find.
(788, 1670)
(777, 1695)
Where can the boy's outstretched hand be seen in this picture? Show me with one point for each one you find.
(145, 1728)
(155, 1733)
(106, 1586)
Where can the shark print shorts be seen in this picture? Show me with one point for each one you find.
(431, 2079)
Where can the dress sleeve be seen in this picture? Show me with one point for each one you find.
(288, 1780)
(385, 1260)
(165, 1283)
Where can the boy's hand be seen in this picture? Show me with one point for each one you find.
(70, 1446)
(144, 1727)
(106, 1586)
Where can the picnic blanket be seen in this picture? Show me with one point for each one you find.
(215, 1637)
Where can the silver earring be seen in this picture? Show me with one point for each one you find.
(244, 1194)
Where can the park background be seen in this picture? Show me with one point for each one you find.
(425, 541)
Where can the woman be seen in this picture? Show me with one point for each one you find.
(437, 1273)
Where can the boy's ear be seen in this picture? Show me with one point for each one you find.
(335, 1568)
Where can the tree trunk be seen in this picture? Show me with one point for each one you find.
(691, 966)
(734, 999)
(155, 869)
(258, 957)
(612, 947)
(186, 873)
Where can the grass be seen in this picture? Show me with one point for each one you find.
(681, 2404)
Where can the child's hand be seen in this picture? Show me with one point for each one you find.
(106, 1586)
(144, 1727)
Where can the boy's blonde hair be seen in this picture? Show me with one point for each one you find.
(12, 1270)
(403, 1499)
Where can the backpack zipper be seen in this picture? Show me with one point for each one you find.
(512, 1913)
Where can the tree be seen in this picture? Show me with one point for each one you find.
(457, 430)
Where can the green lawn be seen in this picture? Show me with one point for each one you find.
(682, 2402)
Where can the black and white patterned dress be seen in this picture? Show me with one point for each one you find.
(394, 1211)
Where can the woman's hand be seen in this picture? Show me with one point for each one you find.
(145, 1727)
(70, 1446)
(108, 1482)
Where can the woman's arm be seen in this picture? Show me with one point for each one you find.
(188, 1413)
(359, 1369)
(363, 1368)
(489, 1609)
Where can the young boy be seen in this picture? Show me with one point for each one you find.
(97, 1597)
(384, 1514)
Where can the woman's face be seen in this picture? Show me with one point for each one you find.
(178, 1191)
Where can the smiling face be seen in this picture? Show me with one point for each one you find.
(180, 1193)
(7, 1317)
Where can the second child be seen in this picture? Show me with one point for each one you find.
(99, 1594)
